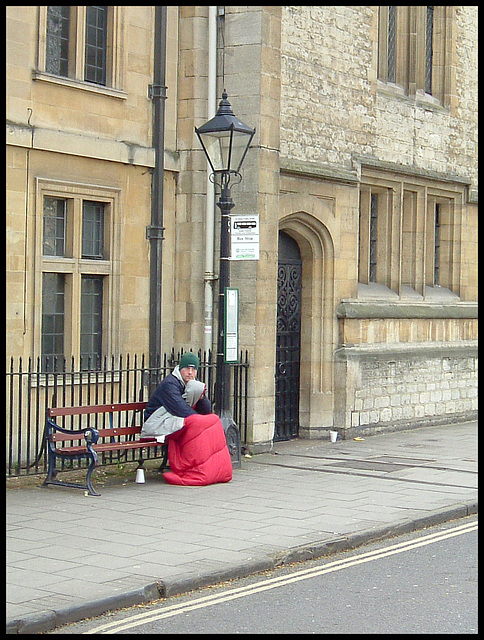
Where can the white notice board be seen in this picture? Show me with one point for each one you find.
(244, 237)
(231, 317)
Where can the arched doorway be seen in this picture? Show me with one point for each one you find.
(308, 220)
(288, 340)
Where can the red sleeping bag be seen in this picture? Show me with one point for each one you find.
(198, 453)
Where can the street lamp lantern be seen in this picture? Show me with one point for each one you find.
(225, 141)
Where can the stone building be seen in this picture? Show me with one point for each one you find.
(361, 312)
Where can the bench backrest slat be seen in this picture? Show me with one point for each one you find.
(96, 408)
(59, 436)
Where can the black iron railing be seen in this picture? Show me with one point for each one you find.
(33, 386)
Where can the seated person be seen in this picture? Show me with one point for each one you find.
(178, 395)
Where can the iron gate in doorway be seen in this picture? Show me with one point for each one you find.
(288, 341)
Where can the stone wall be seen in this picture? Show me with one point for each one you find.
(327, 107)
(404, 385)
(333, 106)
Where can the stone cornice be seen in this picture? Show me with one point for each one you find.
(87, 146)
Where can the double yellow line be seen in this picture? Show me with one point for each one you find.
(273, 583)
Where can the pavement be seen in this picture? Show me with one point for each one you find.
(72, 556)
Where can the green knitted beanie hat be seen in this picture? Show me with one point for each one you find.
(189, 359)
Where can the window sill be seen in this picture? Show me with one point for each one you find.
(377, 301)
(63, 378)
(390, 89)
(427, 101)
(65, 264)
(420, 99)
(374, 291)
(76, 84)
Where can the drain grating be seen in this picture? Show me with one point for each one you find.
(369, 465)
(399, 459)
(383, 463)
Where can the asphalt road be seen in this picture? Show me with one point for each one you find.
(425, 582)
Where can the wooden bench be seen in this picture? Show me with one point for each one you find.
(93, 443)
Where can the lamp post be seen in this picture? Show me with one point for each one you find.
(225, 141)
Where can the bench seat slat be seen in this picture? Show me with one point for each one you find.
(108, 446)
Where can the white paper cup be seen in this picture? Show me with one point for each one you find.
(333, 436)
(140, 476)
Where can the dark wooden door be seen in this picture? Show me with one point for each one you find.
(288, 342)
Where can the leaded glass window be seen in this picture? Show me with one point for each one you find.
(392, 44)
(91, 319)
(429, 33)
(96, 41)
(92, 230)
(53, 305)
(57, 41)
(373, 237)
(54, 228)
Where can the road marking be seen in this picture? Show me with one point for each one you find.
(280, 581)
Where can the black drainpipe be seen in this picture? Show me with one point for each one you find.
(154, 233)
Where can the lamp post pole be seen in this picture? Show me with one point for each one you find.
(225, 205)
